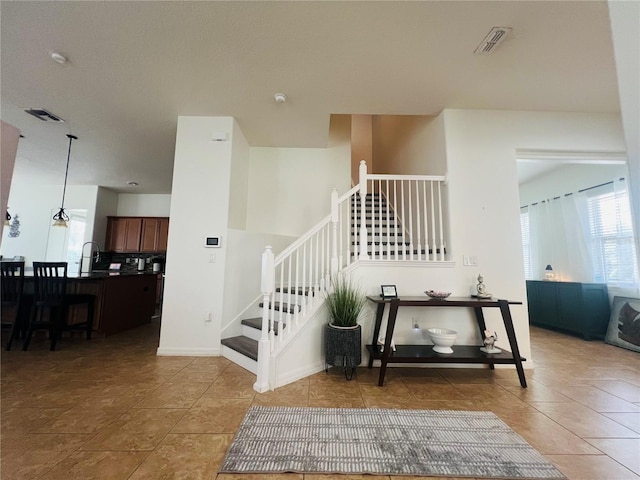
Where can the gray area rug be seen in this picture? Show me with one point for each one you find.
(380, 441)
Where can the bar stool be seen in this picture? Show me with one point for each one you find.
(11, 291)
(50, 292)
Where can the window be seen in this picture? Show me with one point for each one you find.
(526, 246)
(612, 247)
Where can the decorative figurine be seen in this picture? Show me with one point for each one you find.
(481, 289)
(489, 341)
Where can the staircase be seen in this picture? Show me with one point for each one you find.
(243, 349)
(383, 218)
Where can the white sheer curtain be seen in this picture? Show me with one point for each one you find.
(558, 233)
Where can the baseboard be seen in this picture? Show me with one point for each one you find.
(187, 352)
(298, 374)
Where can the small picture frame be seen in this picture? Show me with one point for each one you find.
(388, 291)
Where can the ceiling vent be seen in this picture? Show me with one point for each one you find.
(492, 40)
(43, 115)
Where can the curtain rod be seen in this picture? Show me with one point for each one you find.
(571, 193)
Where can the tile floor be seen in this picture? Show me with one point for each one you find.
(111, 409)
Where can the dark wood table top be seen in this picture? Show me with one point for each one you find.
(446, 302)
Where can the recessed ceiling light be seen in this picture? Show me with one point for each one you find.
(280, 97)
(58, 58)
(133, 184)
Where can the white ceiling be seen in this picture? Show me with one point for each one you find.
(134, 67)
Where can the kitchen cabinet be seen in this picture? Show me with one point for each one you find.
(123, 234)
(155, 232)
(137, 234)
(580, 308)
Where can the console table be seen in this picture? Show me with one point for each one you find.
(425, 353)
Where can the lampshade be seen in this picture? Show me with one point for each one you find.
(60, 219)
(548, 273)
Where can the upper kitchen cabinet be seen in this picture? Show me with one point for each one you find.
(155, 232)
(123, 234)
(137, 234)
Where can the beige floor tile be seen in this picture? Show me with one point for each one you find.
(629, 420)
(139, 429)
(596, 399)
(619, 388)
(174, 395)
(337, 402)
(81, 420)
(213, 415)
(292, 395)
(434, 391)
(115, 374)
(27, 420)
(537, 392)
(583, 421)
(623, 450)
(193, 457)
(591, 467)
(232, 385)
(31, 456)
(547, 436)
(97, 466)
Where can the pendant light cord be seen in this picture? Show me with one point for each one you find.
(66, 172)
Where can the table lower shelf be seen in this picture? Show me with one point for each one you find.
(426, 354)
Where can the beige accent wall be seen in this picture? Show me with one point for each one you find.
(408, 145)
(361, 144)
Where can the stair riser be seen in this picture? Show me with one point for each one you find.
(251, 332)
(240, 359)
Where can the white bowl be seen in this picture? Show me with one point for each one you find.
(437, 294)
(442, 339)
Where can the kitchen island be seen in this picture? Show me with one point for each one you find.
(122, 300)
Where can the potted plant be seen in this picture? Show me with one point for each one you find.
(343, 334)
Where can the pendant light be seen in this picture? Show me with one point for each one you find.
(60, 219)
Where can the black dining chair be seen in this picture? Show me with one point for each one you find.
(11, 295)
(50, 293)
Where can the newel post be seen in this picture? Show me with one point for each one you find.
(364, 253)
(335, 218)
(267, 287)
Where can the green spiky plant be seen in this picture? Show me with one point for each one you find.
(345, 303)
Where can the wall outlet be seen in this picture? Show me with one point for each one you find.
(208, 317)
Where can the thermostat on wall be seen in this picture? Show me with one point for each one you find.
(212, 242)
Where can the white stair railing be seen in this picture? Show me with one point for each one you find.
(407, 210)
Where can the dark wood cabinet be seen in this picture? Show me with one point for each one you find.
(580, 308)
(137, 234)
(123, 234)
(155, 232)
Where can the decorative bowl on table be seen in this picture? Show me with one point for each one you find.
(442, 339)
(437, 294)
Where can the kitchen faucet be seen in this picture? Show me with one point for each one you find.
(90, 254)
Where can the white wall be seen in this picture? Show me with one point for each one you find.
(568, 179)
(625, 17)
(143, 205)
(34, 205)
(238, 195)
(194, 285)
(290, 188)
(242, 279)
(484, 199)
(106, 206)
